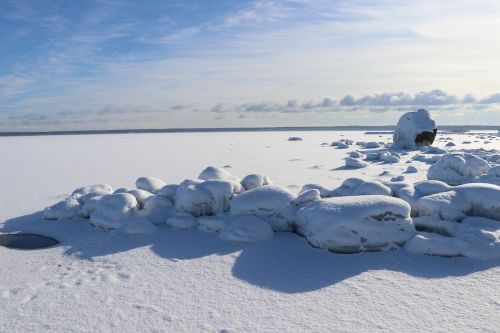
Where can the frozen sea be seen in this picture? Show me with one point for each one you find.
(190, 281)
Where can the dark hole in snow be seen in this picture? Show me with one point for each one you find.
(26, 241)
(426, 138)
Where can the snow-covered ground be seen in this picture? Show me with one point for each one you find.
(174, 280)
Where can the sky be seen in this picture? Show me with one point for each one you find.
(119, 64)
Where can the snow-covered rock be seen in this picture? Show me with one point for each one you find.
(458, 168)
(113, 210)
(157, 209)
(492, 177)
(357, 186)
(141, 196)
(475, 199)
(324, 192)
(246, 229)
(64, 209)
(93, 190)
(356, 223)
(411, 169)
(415, 129)
(371, 145)
(255, 180)
(306, 197)
(150, 184)
(168, 191)
(271, 203)
(211, 173)
(354, 163)
(205, 198)
(475, 237)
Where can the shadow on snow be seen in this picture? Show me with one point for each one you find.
(287, 263)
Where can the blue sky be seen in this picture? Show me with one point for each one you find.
(143, 64)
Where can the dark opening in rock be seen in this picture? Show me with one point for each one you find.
(425, 138)
(26, 241)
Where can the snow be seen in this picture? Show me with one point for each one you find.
(247, 229)
(458, 168)
(354, 163)
(187, 280)
(353, 224)
(157, 208)
(410, 125)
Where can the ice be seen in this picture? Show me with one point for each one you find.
(247, 229)
(150, 184)
(271, 203)
(458, 168)
(356, 223)
(410, 126)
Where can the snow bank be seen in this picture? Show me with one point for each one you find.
(355, 224)
(246, 229)
(458, 168)
(271, 203)
(415, 129)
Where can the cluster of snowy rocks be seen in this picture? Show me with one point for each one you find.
(451, 214)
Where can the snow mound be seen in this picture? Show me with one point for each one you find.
(212, 172)
(150, 184)
(458, 168)
(248, 229)
(271, 203)
(356, 223)
(475, 199)
(414, 129)
(323, 191)
(255, 180)
(141, 196)
(168, 191)
(113, 210)
(82, 194)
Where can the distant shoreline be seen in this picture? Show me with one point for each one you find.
(240, 129)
